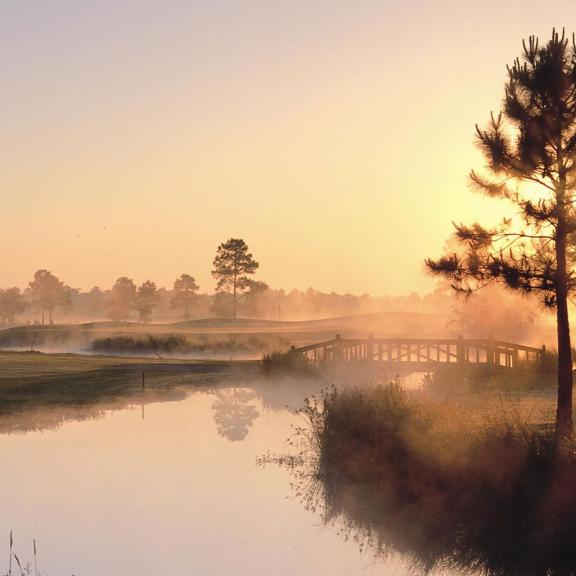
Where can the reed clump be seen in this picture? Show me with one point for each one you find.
(288, 362)
(445, 485)
(16, 566)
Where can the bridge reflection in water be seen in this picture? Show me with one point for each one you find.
(423, 354)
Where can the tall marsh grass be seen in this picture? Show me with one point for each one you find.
(16, 567)
(289, 362)
(176, 344)
(477, 490)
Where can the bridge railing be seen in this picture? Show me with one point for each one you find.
(425, 352)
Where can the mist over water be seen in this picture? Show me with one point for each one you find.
(167, 478)
(149, 488)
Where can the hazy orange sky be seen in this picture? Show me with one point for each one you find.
(335, 136)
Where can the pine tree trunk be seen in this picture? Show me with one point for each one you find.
(564, 404)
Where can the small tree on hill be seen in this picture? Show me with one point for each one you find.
(122, 299)
(185, 294)
(47, 293)
(251, 303)
(530, 149)
(233, 267)
(147, 299)
(12, 304)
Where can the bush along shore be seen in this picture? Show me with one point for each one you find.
(289, 362)
(442, 485)
(175, 344)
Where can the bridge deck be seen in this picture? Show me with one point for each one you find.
(424, 354)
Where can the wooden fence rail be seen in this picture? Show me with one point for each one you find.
(425, 354)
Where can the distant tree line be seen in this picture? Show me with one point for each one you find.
(233, 267)
(47, 298)
(494, 312)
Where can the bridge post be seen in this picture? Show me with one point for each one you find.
(338, 348)
(461, 352)
(515, 357)
(370, 348)
(490, 352)
(542, 358)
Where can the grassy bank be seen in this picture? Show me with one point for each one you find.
(444, 485)
(475, 379)
(29, 368)
(42, 389)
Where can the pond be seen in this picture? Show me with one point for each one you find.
(167, 479)
(172, 486)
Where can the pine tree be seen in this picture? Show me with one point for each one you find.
(530, 152)
(185, 293)
(233, 266)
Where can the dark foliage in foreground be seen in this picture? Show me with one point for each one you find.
(403, 477)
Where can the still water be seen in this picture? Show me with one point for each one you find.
(167, 487)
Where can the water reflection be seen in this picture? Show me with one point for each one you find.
(489, 538)
(50, 404)
(182, 486)
(501, 525)
(105, 492)
(234, 412)
(91, 396)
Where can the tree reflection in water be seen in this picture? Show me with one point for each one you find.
(233, 412)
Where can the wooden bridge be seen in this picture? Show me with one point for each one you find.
(416, 354)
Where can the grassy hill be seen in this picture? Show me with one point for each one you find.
(247, 337)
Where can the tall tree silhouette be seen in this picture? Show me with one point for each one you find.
(185, 294)
(530, 152)
(233, 266)
(47, 293)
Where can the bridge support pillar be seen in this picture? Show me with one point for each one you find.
(542, 358)
(461, 352)
(515, 358)
(338, 348)
(490, 353)
(370, 348)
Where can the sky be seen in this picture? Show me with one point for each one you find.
(335, 137)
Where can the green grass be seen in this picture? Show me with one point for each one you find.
(22, 368)
(44, 388)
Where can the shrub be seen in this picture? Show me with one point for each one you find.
(289, 362)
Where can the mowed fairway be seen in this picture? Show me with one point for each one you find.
(21, 368)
